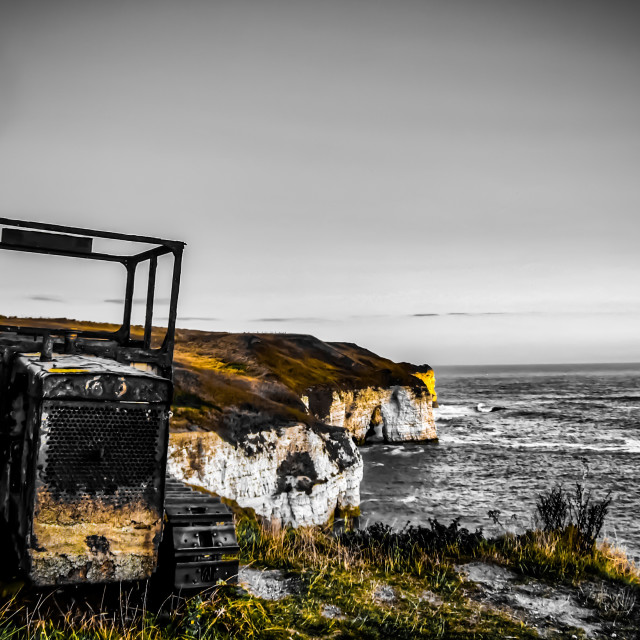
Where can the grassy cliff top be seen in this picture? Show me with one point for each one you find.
(244, 380)
(298, 361)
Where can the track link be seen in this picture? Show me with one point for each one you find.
(199, 546)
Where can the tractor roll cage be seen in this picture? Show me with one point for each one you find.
(76, 242)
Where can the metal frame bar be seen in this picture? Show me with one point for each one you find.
(128, 301)
(156, 252)
(167, 344)
(123, 335)
(79, 231)
(151, 288)
(59, 252)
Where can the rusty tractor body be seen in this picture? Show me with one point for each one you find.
(84, 427)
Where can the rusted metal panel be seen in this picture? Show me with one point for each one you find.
(98, 500)
(92, 540)
(105, 387)
(91, 378)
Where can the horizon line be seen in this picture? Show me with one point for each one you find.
(540, 364)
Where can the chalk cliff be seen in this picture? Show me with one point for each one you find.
(291, 474)
(393, 414)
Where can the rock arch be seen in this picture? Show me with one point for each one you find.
(376, 431)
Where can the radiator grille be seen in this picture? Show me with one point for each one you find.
(113, 451)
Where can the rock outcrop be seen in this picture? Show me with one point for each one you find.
(292, 474)
(427, 375)
(394, 414)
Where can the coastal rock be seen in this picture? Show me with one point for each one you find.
(427, 375)
(291, 474)
(268, 584)
(394, 414)
(546, 607)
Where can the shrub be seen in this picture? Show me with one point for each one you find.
(436, 537)
(553, 509)
(588, 516)
(579, 516)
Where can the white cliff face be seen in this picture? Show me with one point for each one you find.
(291, 474)
(408, 415)
(396, 414)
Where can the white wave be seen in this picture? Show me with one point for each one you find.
(401, 451)
(632, 445)
(408, 499)
(483, 408)
(628, 446)
(451, 412)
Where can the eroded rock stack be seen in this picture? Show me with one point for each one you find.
(394, 414)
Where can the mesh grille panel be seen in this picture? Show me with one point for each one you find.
(112, 451)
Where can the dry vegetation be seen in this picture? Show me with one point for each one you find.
(373, 584)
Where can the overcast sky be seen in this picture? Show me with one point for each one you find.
(446, 182)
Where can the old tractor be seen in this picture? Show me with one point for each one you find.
(84, 429)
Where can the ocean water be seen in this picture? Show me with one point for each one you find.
(555, 425)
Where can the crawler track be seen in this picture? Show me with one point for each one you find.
(199, 546)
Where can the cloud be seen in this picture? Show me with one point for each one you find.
(197, 318)
(309, 319)
(467, 313)
(43, 298)
(381, 315)
(370, 315)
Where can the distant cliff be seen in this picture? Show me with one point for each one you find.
(377, 414)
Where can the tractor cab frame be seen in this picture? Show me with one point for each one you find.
(75, 242)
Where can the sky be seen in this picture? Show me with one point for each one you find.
(441, 182)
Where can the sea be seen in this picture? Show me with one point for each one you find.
(506, 434)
